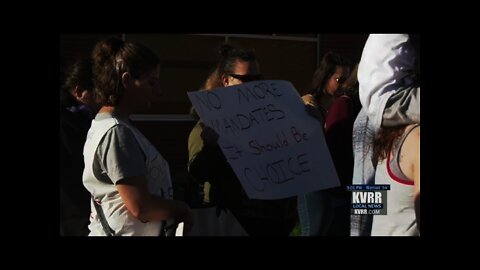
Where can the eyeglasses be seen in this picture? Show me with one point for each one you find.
(246, 77)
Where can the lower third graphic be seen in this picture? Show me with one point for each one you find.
(369, 199)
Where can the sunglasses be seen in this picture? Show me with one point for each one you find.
(247, 77)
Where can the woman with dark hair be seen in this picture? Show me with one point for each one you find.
(77, 109)
(208, 163)
(326, 82)
(338, 135)
(127, 177)
(322, 212)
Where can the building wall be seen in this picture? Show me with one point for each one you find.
(78, 46)
(188, 59)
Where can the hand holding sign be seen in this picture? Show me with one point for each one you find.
(274, 146)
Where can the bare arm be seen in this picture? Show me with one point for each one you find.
(146, 207)
(416, 179)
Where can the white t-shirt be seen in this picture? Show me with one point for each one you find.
(114, 150)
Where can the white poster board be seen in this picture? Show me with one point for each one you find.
(274, 146)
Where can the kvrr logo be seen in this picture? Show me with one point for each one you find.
(366, 197)
(369, 202)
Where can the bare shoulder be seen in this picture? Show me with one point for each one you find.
(412, 141)
(414, 135)
(410, 152)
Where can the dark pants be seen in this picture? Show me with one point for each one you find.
(324, 213)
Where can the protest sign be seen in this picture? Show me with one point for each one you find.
(274, 146)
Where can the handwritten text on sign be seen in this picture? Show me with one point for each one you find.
(275, 148)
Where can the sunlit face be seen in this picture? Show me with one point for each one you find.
(242, 72)
(335, 81)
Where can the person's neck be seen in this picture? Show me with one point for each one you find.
(118, 112)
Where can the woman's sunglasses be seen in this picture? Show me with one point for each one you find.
(246, 77)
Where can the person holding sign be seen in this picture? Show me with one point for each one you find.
(208, 163)
(128, 179)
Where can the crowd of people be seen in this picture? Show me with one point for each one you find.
(114, 182)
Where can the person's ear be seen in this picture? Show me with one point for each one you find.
(225, 80)
(127, 80)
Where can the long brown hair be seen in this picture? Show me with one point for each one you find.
(111, 58)
(79, 74)
(350, 86)
(385, 140)
(328, 65)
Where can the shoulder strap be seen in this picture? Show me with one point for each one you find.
(108, 230)
(396, 153)
(402, 140)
